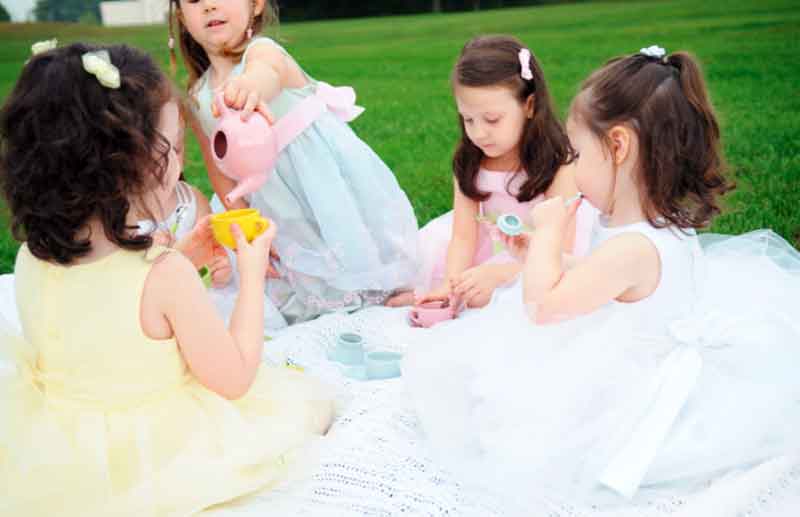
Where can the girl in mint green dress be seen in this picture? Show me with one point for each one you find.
(347, 234)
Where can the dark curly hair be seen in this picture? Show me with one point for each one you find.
(544, 146)
(665, 101)
(72, 150)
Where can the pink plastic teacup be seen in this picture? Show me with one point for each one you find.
(429, 314)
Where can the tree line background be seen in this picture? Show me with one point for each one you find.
(88, 11)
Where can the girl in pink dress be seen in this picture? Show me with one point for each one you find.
(511, 155)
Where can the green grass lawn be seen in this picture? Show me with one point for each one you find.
(400, 67)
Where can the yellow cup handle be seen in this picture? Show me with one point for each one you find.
(261, 226)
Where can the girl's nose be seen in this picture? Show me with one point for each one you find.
(478, 132)
(209, 5)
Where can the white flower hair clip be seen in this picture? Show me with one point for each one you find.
(98, 63)
(525, 64)
(43, 46)
(654, 51)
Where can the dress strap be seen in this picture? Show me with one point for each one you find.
(263, 40)
(184, 193)
(156, 252)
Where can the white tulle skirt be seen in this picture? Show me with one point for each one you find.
(597, 413)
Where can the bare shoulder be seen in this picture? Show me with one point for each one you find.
(632, 256)
(170, 272)
(563, 183)
(629, 249)
(267, 53)
(168, 282)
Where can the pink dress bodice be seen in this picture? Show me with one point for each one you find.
(501, 186)
(435, 236)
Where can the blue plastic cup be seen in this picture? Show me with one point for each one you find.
(383, 365)
(509, 224)
(349, 348)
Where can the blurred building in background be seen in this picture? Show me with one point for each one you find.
(134, 12)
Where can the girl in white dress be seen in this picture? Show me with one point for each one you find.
(653, 366)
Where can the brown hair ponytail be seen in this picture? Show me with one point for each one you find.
(663, 99)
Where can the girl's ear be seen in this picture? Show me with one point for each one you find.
(258, 7)
(621, 139)
(530, 105)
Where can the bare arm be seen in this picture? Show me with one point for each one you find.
(626, 267)
(223, 360)
(219, 264)
(265, 74)
(267, 70)
(461, 248)
(464, 240)
(564, 185)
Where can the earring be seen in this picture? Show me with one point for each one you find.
(249, 32)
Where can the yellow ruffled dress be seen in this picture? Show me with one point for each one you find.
(101, 420)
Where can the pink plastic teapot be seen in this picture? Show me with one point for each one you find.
(247, 151)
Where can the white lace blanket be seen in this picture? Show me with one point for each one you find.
(374, 462)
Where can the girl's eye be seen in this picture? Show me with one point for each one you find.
(467, 121)
(493, 121)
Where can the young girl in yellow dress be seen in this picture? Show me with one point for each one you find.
(129, 397)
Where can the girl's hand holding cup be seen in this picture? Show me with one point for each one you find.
(252, 258)
(554, 214)
(199, 244)
(441, 293)
(517, 245)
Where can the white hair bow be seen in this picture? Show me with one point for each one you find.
(43, 46)
(98, 63)
(525, 64)
(653, 51)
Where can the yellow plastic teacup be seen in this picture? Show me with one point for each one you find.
(248, 219)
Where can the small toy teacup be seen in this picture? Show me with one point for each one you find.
(360, 365)
(429, 314)
(383, 364)
(248, 219)
(510, 224)
(349, 349)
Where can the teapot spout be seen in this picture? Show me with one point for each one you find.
(246, 186)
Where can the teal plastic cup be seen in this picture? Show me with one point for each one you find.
(349, 349)
(383, 365)
(509, 224)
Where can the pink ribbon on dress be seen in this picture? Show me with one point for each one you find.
(341, 101)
